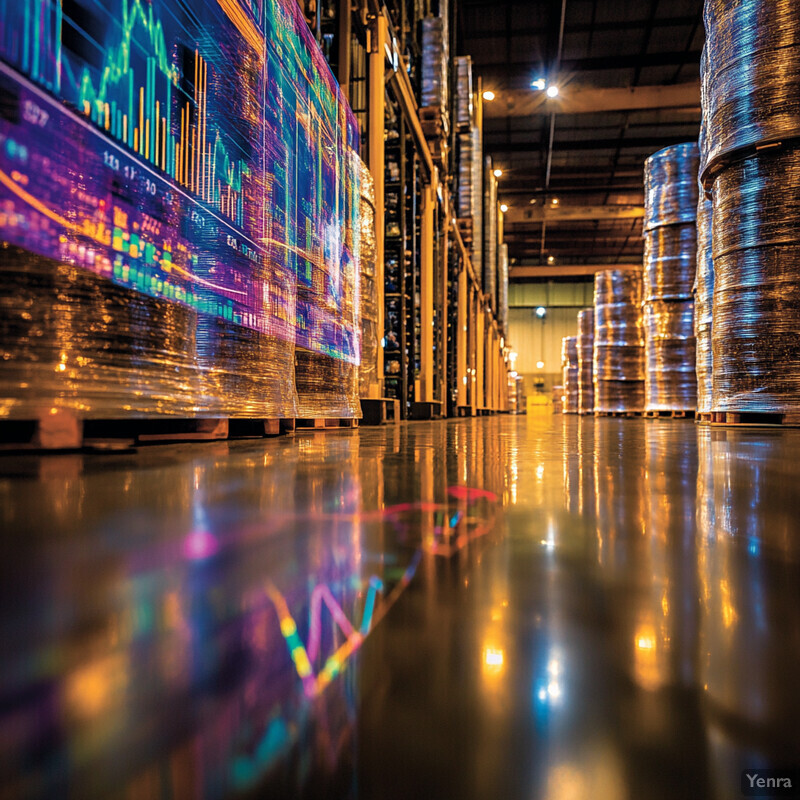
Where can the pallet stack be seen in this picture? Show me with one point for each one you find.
(670, 259)
(570, 373)
(751, 167)
(586, 361)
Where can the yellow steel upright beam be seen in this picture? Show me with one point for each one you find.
(443, 315)
(425, 393)
(375, 137)
(462, 315)
(480, 350)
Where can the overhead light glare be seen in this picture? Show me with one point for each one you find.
(503, 207)
(540, 365)
(489, 95)
(555, 201)
(539, 84)
(498, 173)
(552, 90)
(540, 312)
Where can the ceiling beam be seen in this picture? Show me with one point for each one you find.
(523, 67)
(642, 143)
(569, 213)
(572, 28)
(524, 103)
(565, 270)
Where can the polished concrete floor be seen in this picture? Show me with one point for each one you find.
(509, 607)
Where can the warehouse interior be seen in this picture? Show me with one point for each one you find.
(399, 398)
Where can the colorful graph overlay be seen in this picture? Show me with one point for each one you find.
(199, 152)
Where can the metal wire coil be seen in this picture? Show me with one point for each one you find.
(586, 360)
(670, 381)
(750, 74)
(704, 295)
(569, 365)
(670, 261)
(618, 357)
(670, 185)
(756, 310)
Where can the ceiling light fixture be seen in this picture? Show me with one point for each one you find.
(503, 207)
(554, 201)
(539, 84)
(498, 173)
(552, 90)
(489, 95)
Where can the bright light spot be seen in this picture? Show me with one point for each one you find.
(539, 472)
(493, 658)
(465, 381)
(540, 365)
(199, 545)
(553, 690)
(555, 201)
(554, 667)
(383, 342)
(551, 259)
(498, 173)
(489, 95)
(503, 207)
(646, 643)
(552, 91)
(514, 373)
(62, 367)
(543, 694)
(541, 311)
(539, 84)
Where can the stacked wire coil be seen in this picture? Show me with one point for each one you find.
(585, 361)
(618, 359)
(751, 106)
(750, 75)
(703, 303)
(756, 312)
(670, 263)
(569, 367)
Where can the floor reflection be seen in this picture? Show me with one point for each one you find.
(554, 607)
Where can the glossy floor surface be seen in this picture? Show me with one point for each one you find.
(508, 607)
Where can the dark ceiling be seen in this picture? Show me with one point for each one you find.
(628, 79)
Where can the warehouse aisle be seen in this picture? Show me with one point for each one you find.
(554, 607)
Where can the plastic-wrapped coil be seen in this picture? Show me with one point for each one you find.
(670, 261)
(477, 193)
(703, 301)
(751, 74)
(618, 358)
(502, 287)
(670, 382)
(756, 252)
(670, 185)
(585, 361)
(464, 109)
(74, 340)
(435, 59)
(569, 367)
(367, 371)
(490, 232)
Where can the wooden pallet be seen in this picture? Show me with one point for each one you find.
(380, 410)
(754, 419)
(673, 414)
(704, 417)
(322, 423)
(464, 411)
(60, 430)
(627, 414)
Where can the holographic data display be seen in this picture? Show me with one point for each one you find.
(194, 151)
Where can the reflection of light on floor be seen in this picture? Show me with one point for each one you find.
(645, 663)
(493, 657)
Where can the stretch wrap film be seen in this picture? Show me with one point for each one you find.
(703, 304)
(477, 193)
(434, 63)
(368, 368)
(670, 185)
(490, 233)
(750, 74)
(464, 105)
(618, 341)
(569, 368)
(586, 361)
(670, 261)
(502, 288)
(670, 382)
(670, 264)
(180, 205)
(756, 252)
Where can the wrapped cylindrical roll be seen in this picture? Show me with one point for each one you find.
(569, 366)
(585, 361)
(71, 339)
(670, 381)
(490, 233)
(704, 295)
(756, 252)
(670, 260)
(751, 74)
(670, 185)
(618, 359)
(367, 372)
